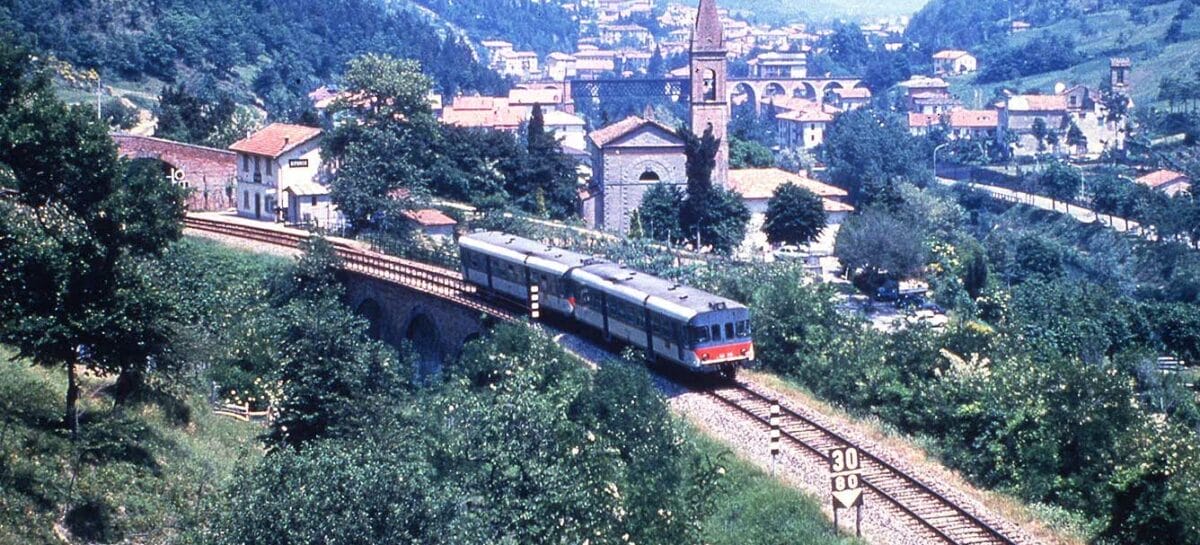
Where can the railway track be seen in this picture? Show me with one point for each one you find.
(941, 517)
(443, 283)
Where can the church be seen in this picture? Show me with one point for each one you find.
(632, 155)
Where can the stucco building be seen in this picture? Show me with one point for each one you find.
(277, 159)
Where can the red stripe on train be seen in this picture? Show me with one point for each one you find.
(726, 352)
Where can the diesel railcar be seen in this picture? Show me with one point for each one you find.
(679, 324)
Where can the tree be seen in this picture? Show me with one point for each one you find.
(659, 212)
(1040, 132)
(1076, 139)
(186, 117)
(975, 276)
(874, 246)
(869, 153)
(546, 183)
(1174, 33)
(331, 373)
(71, 289)
(714, 216)
(795, 215)
(1061, 182)
(1107, 192)
(384, 157)
(657, 66)
(749, 154)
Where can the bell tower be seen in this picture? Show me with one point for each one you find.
(708, 72)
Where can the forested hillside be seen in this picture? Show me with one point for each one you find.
(276, 50)
(965, 23)
(540, 26)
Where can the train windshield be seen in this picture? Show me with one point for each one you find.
(743, 329)
(699, 335)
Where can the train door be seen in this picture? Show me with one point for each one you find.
(649, 333)
(604, 314)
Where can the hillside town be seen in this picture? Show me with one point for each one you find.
(600, 272)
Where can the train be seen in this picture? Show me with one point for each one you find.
(669, 322)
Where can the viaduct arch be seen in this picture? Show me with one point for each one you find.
(210, 173)
(436, 329)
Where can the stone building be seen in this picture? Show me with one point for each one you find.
(634, 154)
(628, 158)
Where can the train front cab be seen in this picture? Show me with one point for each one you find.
(719, 341)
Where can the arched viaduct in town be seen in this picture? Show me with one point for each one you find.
(757, 91)
(437, 328)
(209, 172)
(762, 91)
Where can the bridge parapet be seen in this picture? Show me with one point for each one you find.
(209, 172)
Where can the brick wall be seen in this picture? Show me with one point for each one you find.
(210, 173)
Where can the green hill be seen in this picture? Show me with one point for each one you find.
(1097, 37)
(269, 52)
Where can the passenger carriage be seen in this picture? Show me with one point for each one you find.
(507, 265)
(667, 321)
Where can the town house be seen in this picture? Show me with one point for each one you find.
(279, 176)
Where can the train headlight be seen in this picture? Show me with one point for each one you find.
(744, 350)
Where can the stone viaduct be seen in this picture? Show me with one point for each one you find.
(210, 173)
(436, 328)
(755, 91)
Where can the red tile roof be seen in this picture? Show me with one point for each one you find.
(950, 54)
(855, 92)
(974, 119)
(1037, 103)
(1160, 178)
(500, 117)
(430, 218)
(922, 120)
(534, 96)
(275, 140)
(808, 116)
(760, 183)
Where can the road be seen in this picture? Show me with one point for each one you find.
(1081, 214)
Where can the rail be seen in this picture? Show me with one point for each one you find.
(442, 283)
(932, 510)
(947, 520)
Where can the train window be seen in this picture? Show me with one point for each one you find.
(743, 329)
(729, 330)
(716, 332)
(699, 335)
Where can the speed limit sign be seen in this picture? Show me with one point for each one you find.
(846, 480)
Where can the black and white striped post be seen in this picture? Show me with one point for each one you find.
(774, 435)
(535, 305)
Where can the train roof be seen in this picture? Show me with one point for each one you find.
(684, 301)
(659, 293)
(522, 248)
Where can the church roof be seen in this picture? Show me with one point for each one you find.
(708, 34)
(607, 135)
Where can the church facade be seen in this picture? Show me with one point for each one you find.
(631, 156)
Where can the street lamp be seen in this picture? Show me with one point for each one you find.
(935, 151)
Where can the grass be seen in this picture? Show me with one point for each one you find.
(754, 509)
(1045, 523)
(1109, 34)
(135, 473)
